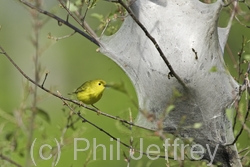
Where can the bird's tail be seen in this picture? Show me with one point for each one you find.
(71, 93)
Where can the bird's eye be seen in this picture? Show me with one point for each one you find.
(99, 83)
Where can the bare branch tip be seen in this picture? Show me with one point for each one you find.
(46, 74)
(58, 92)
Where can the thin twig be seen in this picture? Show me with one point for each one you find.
(242, 127)
(67, 99)
(83, 24)
(245, 155)
(131, 141)
(229, 26)
(92, 39)
(9, 160)
(152, 39)
(35, 41)
(245, 85)
(85, 14)
(236, 114)
(61, 21)
(69, 13)
(247, 129)
(195, 53)
(106, 26)
(240, 56)
(229, 3)
(88, 158)
(69, 124)
(245, 149)
(84, 120)
(46, 74)
(246, 81)
(59, 38)
(232, 56)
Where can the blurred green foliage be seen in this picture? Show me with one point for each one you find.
(70, 62)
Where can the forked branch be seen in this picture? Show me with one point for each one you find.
(61, 21)
(64, 98)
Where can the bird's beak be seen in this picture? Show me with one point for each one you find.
(107, 86)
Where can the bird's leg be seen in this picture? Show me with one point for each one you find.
(98, 111)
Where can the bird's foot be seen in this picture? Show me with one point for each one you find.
(98, 111)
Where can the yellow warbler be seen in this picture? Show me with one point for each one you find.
(91, 91)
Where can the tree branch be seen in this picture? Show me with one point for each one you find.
(9, 160)
(152, 39)
(65, 22)
(246, 82)
(64, 98)
(107, 133)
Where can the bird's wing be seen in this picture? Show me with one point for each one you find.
(82, 88)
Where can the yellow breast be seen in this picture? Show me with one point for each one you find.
(89, 97)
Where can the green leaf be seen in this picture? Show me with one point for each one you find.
(43, 114)
(97, 16)
(72, 7)
(170, 108)
(197, 125)
(213, 69)
(79, 3)
(247, 57)
(176, 93)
